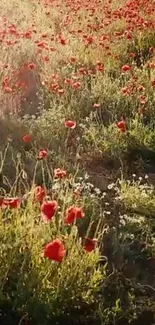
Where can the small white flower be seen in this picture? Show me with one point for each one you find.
(90, 185)
(86, 176)
(134, 205)
(103, 195)
(122, 222)
(110, 186)
(97, 190)
(108, 212)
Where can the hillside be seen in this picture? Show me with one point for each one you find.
(77, 162)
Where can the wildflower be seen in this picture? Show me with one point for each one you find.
(12, 203)
(1, 202)
(42, 154)
(28, 34)
(89, 40)
(61, 91)
(73, 59)
(99, 66)
(27, 138)
(45, 58)
(82, 70)
(125, 68)
(141, 88)
(59, 173)
(132, 55)
(89, 244)
(39, 193)
(55, 250)
(31, 66)
(142, 99)
(125, 91)
(70, 124)
(96, 105)
(48, 209)
(151, 49)
(62, 41)
(76, 85)
(68, 81)
(8, 89)
(72, 214)
(128, 35)
(151, 65)
(122, 125)
(153, 82)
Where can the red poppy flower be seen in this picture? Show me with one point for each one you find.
(61, 91)
(132, 55)
(55, 250)
(73, 59)
(68, 81)
(73, 213)
(122, 125)
(31, 66)
(128, 35)
(141, 88)
(27, 34)
(142, 99)
(151, 65)
(42, 154)
(70, 124)
(27, 138)
(153, 82)
(126, 68)
(39, 193)
(11, 202)
(48, 209)
(96, 105)
(99, 67)
(76, 85)
(151, 49)
(125, 91)
(62, 41)
(8, 89)
(1, 202)
(89, 244)
(89, 40)
(59, 173)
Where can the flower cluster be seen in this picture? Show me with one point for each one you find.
(55, 250)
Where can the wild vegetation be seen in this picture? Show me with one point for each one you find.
(77, 155)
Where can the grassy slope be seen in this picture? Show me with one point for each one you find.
(62, 60)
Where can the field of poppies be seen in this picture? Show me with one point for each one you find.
(77, 162)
